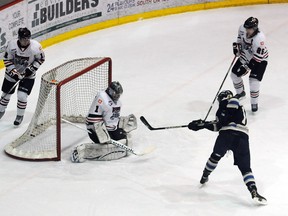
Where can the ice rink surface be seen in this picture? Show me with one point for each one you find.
(171, 68)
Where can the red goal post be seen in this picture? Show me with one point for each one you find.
(66, 92)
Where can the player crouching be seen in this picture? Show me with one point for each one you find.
(104, 123)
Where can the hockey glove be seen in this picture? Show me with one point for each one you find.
(128, 123)
(15, 75)
(236, 49)
(196, 125)
(243, 70)
(30, 70)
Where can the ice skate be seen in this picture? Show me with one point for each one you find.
(240, 96)
(18, 120)
(254, 107)
(258, 198)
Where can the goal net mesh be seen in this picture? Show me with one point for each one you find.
(66, 93)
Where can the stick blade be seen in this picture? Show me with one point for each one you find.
(145, 122)
(147, 150)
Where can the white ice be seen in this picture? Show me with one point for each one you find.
(171, 68)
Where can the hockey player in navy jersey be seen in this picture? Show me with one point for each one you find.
(22, 58)
(231, 122)
(104, 123)
(253, 57)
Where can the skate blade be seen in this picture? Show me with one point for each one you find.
(260, 201)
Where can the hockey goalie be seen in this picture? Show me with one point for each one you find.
(104, 124)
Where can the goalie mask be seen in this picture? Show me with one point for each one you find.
(114, 90)
(224, 95)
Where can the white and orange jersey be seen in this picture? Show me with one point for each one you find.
(254, 47)
(103, 108)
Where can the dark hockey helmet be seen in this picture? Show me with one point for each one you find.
(114, 90)
(251, 22)
(24, 33)
(224, 95)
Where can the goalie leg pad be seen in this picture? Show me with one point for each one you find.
(102, 152)
(78, 154)
(128, 123)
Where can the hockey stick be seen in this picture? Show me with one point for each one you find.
(232, 63)
(116, 143)
(145, 122)
(14, 86)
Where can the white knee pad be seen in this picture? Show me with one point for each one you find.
(254, 84)
(22, 96)
(254, 90)
(238, 83)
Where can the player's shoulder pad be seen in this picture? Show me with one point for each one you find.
(12, 44)
(242, 29)
(233, 103)
(259, 39)
(35, 45)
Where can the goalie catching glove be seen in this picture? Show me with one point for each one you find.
(128, 123)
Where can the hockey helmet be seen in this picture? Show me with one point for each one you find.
(224, 95)
(114, 90)
(24, 33)
(251, 22)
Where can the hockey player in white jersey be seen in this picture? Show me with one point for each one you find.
(104, 123)
(22, 58)
(253, 57)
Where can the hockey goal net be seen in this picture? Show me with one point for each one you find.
(66, 93)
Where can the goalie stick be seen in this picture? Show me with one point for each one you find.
(147, 150)
(145, 122)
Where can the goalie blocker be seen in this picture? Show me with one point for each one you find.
(101, 149)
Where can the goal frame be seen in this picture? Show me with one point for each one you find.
(59, 86)
(58, 98)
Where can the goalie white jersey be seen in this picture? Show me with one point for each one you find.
(253, 47)
(103, 108)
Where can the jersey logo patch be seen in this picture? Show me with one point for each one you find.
(262, 43)
(100, 101)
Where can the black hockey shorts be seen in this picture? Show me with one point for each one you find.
(235, 68)
(25, 85)
(238, 143)
(118, 134)
(115, 135)
(257, 72)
